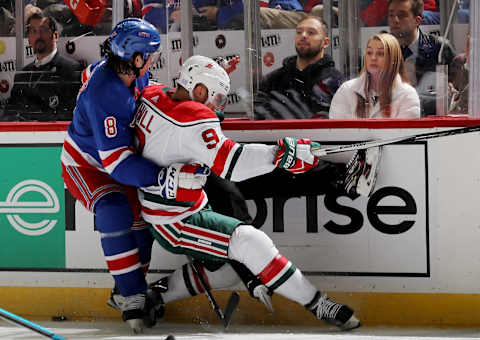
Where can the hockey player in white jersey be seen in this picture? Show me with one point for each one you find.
(180, 126)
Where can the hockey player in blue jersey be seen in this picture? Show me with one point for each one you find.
(101, 169)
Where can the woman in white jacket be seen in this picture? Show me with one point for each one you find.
(382, 89)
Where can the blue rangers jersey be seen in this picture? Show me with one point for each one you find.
(100, 135)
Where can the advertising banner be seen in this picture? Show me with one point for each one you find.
(383, 235)
(32, 218)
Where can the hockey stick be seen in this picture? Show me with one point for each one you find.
(28, 324)
(320, 151)
(232, 302)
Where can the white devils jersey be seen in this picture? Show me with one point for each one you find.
(186, 131)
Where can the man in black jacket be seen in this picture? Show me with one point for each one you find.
(419, 50)
(45, 89)
(304, 86)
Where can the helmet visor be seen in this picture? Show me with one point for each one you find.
(155, 56)
(218, 103)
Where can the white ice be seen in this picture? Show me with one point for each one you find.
(118, 330)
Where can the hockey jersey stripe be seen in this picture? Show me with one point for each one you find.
(274, 269)
(161, 213)
(158, 199)
(78, 180)
(224, 156)
(228, 176)
(178, 233)
(111, 158)
(75, 157)
(124, 262)
(192, 120)
(90, 198)
(203, 249)
(201, 232)
(125, 270)
(180, 242)
(275, 283)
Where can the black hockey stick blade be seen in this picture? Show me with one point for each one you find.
(232, 304)
(321, 151)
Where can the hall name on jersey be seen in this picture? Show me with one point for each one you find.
(143, 119)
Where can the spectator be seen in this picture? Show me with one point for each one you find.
(68, 23)
(459, 81)
(29, 11)
(7, 22)
(304, 86)
(315, 7)
(278, 14)
(464, 12)
(161, 14)
(382, 89)
(46, 88)
(221, 14)
(420, 50)
(431, 15)
(375, 12)
(274, 14)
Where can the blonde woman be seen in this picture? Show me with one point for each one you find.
(382, 89)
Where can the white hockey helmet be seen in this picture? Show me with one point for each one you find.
(203, 70)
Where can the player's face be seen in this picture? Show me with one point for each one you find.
(218, 103)
(147, 65)
(402, 22)
(41, 37)
(375, 57)
(310, 39)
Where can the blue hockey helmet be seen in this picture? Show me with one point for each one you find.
(133, 35)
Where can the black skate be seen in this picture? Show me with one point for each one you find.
(333, 312)
(138, 310)
(154, 292)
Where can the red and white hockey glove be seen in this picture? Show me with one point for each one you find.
(294, 155)
(88, 12)
(229, 65)
(183, 182)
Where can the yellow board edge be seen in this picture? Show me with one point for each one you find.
(373, 309)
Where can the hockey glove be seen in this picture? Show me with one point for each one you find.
(294, 155)
(183, 182)
(260, 292)
(362, 170)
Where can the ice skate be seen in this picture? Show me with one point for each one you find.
(132, 308)
(114, 297)
(333, 312)
(362, 171)
(154, 292)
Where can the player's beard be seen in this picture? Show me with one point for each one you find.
(40, 46)
(309, 52)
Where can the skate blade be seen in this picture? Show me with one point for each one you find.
(136, 325)
(351, 323)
